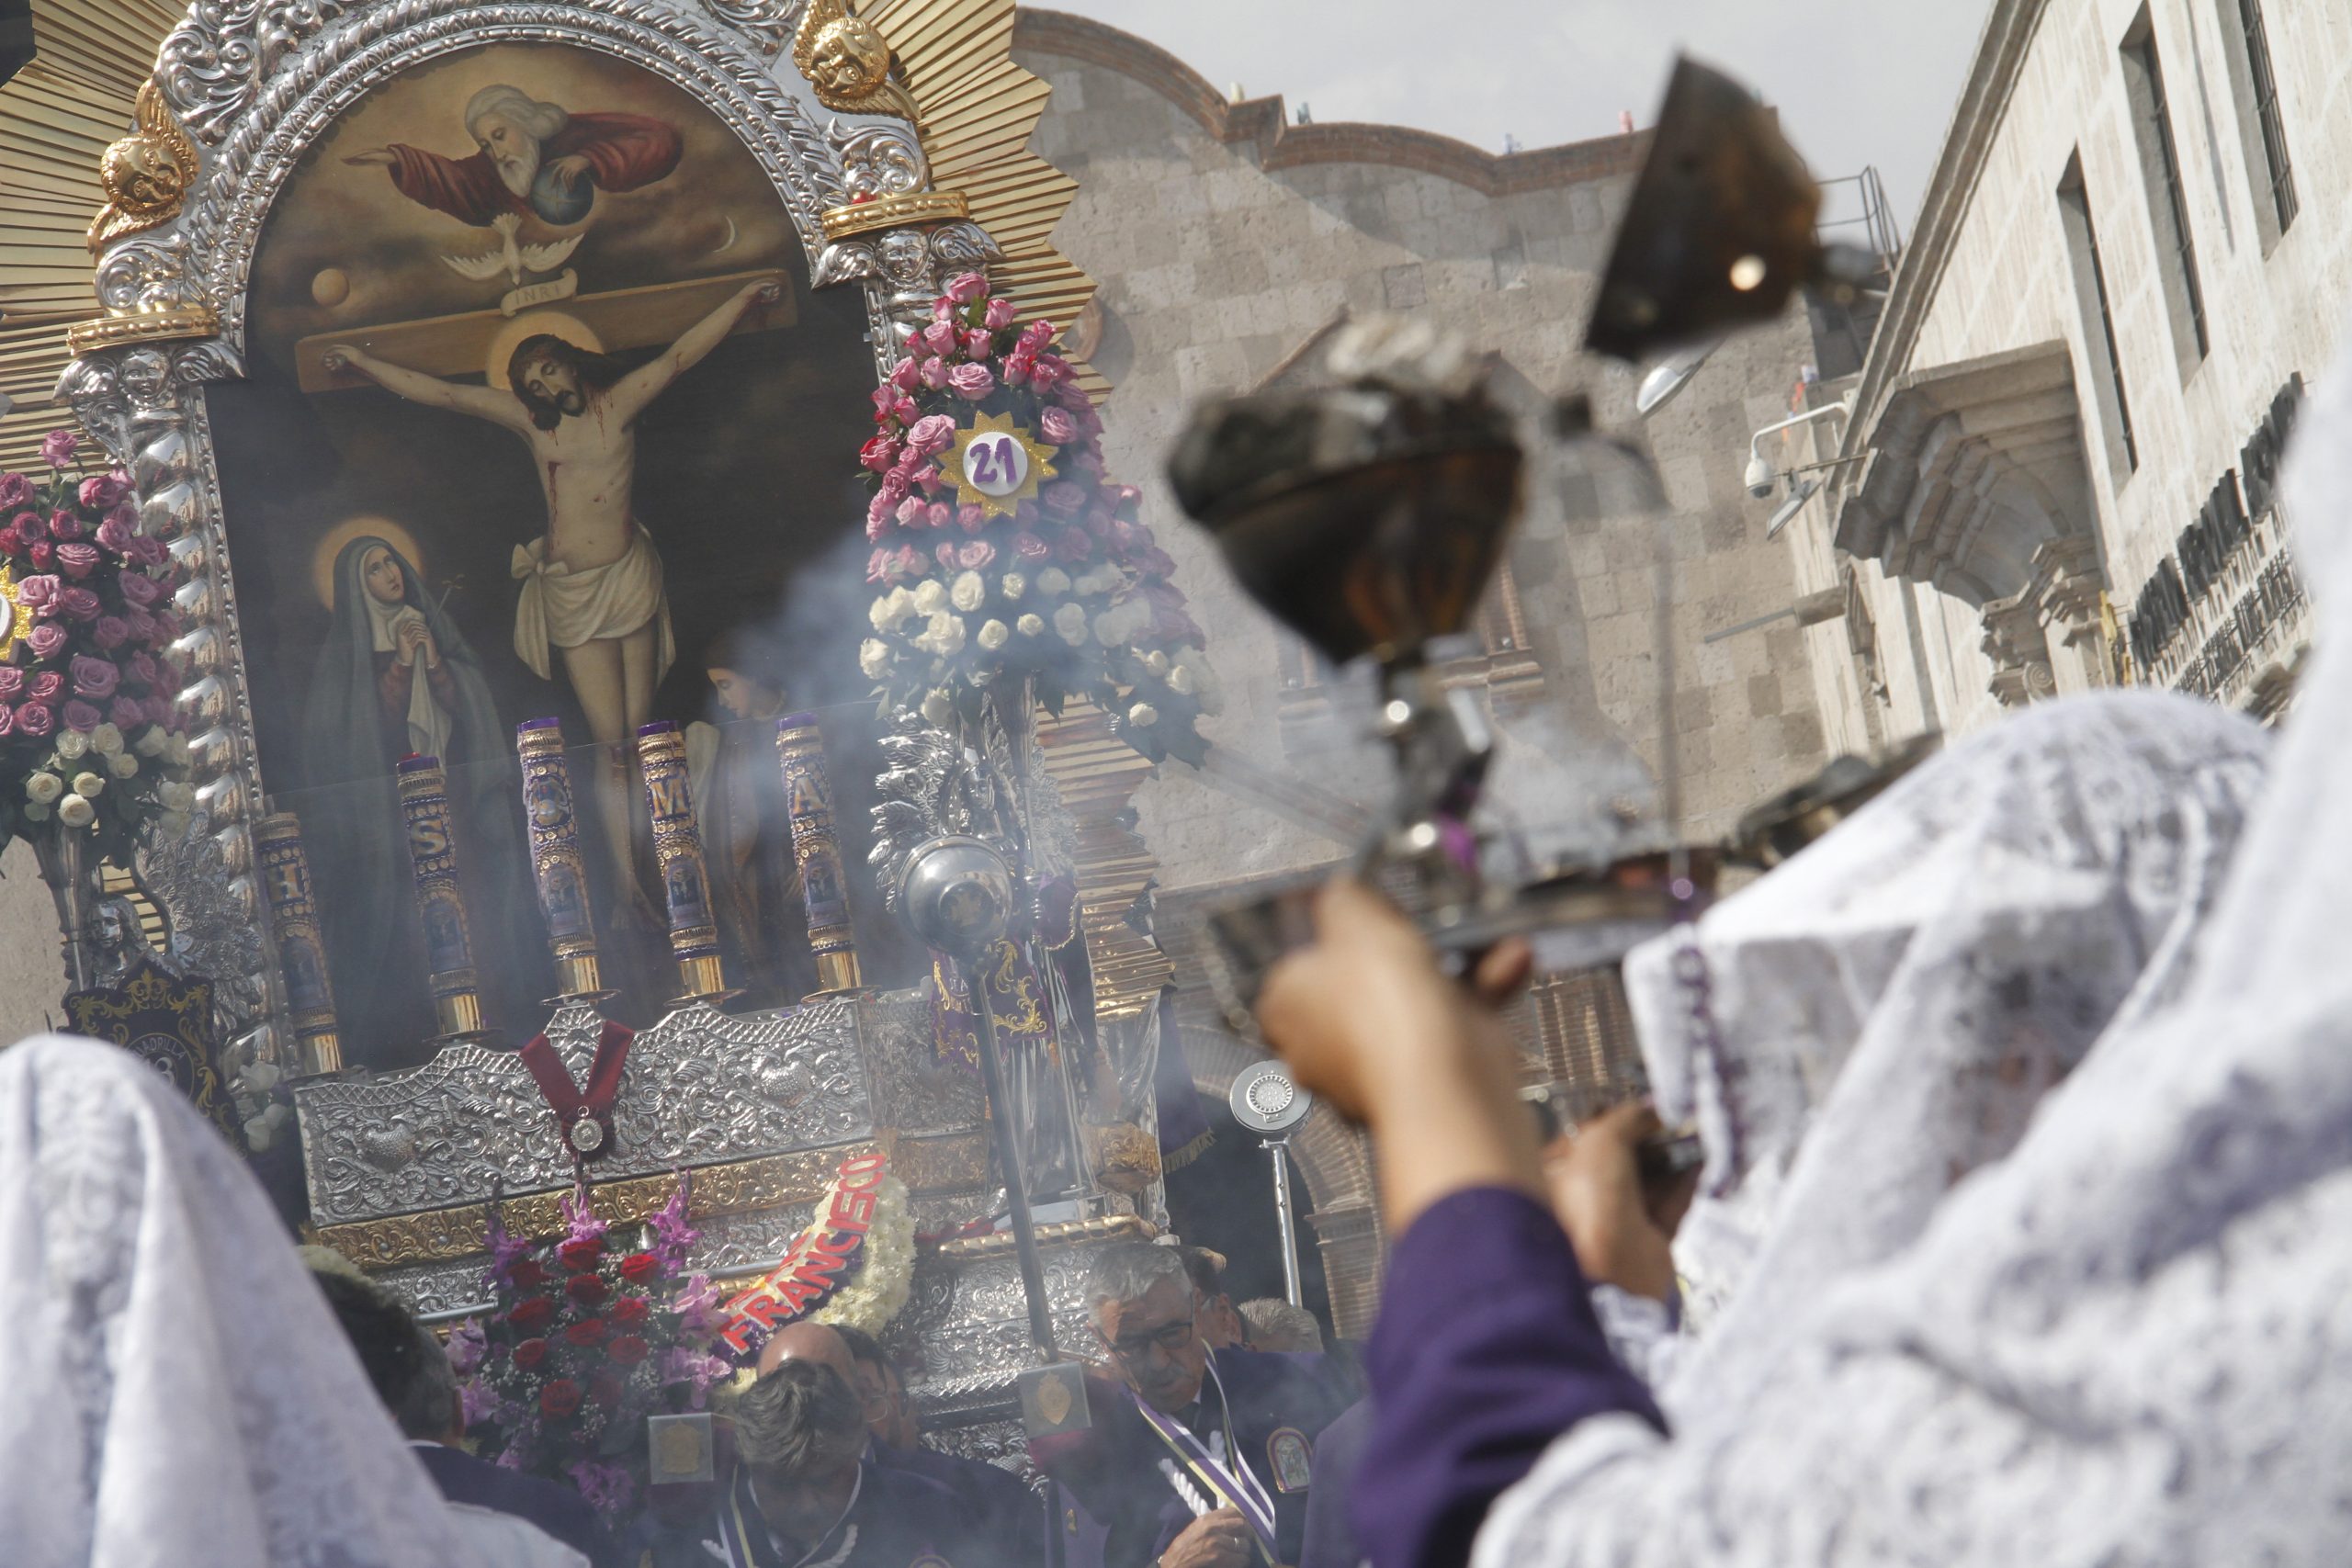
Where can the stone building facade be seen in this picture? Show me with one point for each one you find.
(1230, 242)
(2058, 471)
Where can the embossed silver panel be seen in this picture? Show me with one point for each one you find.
(701, 1087)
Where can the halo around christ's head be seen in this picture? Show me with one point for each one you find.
(537, 324)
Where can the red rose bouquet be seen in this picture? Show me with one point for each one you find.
(588, 1339)
(88, 741)
(1002, 549)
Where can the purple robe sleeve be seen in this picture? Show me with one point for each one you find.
(1487, 1348)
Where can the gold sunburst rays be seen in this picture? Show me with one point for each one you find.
(979, 108)
(57, 118)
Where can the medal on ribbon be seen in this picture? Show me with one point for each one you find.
(585, 1117)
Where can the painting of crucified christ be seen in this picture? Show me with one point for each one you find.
(592, 588)
(580, 487)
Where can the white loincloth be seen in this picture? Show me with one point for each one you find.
(563, 608)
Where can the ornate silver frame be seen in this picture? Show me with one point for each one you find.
(254, 83)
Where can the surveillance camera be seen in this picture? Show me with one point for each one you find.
(1759, 476)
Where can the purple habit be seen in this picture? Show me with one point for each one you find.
(1487, 1348)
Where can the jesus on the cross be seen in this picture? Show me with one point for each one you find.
(592, 583)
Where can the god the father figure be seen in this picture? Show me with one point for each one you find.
(592, 583)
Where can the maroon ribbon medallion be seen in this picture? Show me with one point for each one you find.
(586, 1117)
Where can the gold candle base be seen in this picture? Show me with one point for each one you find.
(701, 980)
(326, 1054)
(837, 973)
(459, 1015)
(578, 980)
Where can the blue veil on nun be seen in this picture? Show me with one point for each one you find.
(353, 828)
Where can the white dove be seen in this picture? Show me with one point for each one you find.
(511, 258)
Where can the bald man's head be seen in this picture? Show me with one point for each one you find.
(810, 1342)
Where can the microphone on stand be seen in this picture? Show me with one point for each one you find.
(1267, 1101)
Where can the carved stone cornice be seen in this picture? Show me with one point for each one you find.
(1971, 467)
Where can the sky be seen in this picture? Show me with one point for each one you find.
(1858, 82)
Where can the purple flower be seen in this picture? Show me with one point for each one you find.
(46, 686)
(672, 1234)
(943, 308)
(1036, 335)
(479, 1403)
(971, 382)
(16, 490)
(126, 712)
(140, 589)
(64, 526)
(81, 715)
(941, 337)
(605, 1488)
(111, 632)
(971, 517)
(143, 625)
(38, 593)
(118, 535)
(57, 449)
(36, 721)
(467, 1347)
(30, 527)
(966, 286)
(886, 401)
(912, 512)
(895, 486)
(47, 640)
(158, 709)
(94, 677)
(12, 683)
(934, 373)
(696, 1304)
(7, 720)
(1056, 427)
(975, 555)
(998, 316)
(1063, 499)
(77, 561)
(78, 604)
(579, 1217)
(939, 515)
(978, 345)
(1029, 546)
(148, 550)
(100, 492)
(932, 435)
(907, 375)
(143, 667)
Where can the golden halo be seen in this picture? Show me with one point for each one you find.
(331, 544)
(531, 323)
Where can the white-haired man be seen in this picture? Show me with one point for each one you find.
(1203, 1459)
(531, 157)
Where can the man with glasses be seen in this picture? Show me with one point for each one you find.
(993, 1520)
(1198, 1458)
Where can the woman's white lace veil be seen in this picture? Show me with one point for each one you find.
(1891, 1006)
(2131, 1340)
(175, 1389)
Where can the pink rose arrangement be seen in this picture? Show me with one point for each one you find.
(88, 740)
(587, 1338)
(1069, 591)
